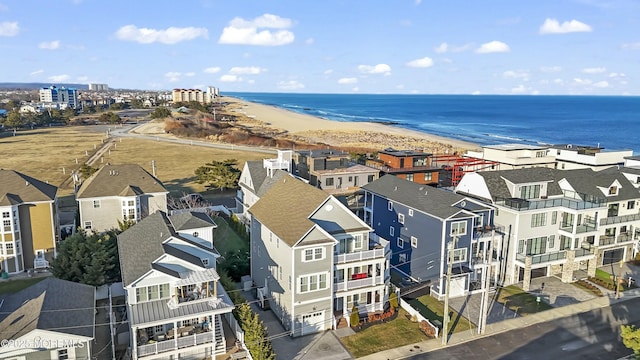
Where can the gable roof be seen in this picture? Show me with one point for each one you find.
(51, 304)
(286, 207)
(16, 188)
(120, 180)
(191, 220)
(260, 182)
(424, 198)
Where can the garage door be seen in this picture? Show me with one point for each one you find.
(313, 323)
(612, 256)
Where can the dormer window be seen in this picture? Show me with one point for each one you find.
(530, 192)
(613, 190)
(205, 262)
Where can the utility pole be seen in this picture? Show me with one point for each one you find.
(445, 317)
(618, 278)
(153, 167)
(484, 307)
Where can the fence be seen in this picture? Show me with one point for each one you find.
(413, 312)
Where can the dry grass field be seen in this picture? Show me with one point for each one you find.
(43, 153)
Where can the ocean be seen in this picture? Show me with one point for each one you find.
(611, 122)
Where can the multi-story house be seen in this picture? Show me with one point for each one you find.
(561, 223)
(314, 259)
(176, 305)
(412, 165)
(116, 193)
(423, 223)
(52, 319)
(30, 226)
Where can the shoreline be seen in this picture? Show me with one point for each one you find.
(374, 135)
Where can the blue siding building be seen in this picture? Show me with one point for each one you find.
(420, 221)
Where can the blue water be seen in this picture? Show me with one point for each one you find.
(612, 122)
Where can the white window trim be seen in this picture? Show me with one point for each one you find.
(309, 276)
(410, 212)
(458, 223)
(88, 225)
(401, 218)
(391, 230)
(313, 254)
(414, 242)
(402, 258)
(463, 258)
(400, 243)
(205, 261)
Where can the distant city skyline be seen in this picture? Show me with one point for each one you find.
(563, 47)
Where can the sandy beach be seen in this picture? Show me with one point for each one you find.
(303, 127)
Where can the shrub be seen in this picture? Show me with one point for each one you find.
(355, 316)
(427, 329)
(393, 300)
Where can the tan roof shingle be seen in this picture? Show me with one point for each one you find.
(16, 188)
(120, 180)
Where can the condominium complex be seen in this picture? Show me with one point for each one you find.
(98, 87)
(185, 95)
(63, 97)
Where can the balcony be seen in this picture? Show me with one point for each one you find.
(362, 282)
(580, 229)
(625, 236)
(543, 258)
(171, 344)
(570, 200)
(584, 252)
(619, 219)
(606, 240)
(362, 255)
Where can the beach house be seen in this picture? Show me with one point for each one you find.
(314, 260)
(30, 225)
(562, 223)
(117, 193)
(411, 165)
(425, 226)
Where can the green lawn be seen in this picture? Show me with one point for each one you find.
(398, 332)
(226, 239)
(603, 275)
(521, 301)
(13, 286)
(433, 310)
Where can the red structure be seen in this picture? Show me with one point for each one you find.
(455, 166)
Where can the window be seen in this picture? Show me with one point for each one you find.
(401, 218)
(280, 268)
(131, 203)
(196, 234)
(6, 214)
(313, 254)
(565, 242)
(329, 182)
(414, 242)
(350, 178)
(205, 261)
(402, 258)
(141, 294)
(96, 204)
(459, 228)
(409, 177)
(164, 291)
(538, 220)
(478, 221)
(390, 206)
(7, 225)
(428, 176)
(537, 246)
(631, 204)
(370, 178)
(554, 218)
(9, 248)
(552, 239)
(520, 246)
(391, 230)
(152, 292)
(158, 329)
(63, 354)
(540, 154)
(459, 255)
(400, 243)
(410, 212)
(312, 282)
(613, 190)
(530, 192)
(18, 249)
(87, 225)
(357, 242)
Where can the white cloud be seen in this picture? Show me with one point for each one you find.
(83, 78)
(418, 2)
(309, 41)
(551, 69)
(558, 81)
(519, 89)
(375, 69)
(601, 84)
(493, 47)
(328, 71)
(348, 81)
(50, 45)
(580, 81)
(246, 32)
(59, 78)
(172, 76)
(290, 85)
(477, 92)
(230, 78)
(516, 74)
(424, 62)
(248, 70)
(552, 26)
(355, 89)
(631, 46)
(598, 70)
(444, 47)
(212, 70)
(617, 75)
(190, 74)
(37, 72)
(9, 28)
(170, 35)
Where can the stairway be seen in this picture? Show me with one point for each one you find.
(342, 323)
(221, 345)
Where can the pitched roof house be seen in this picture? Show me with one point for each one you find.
(52, 319)
(30, 224)
(175, 302)
(119, 192)
(314, 259)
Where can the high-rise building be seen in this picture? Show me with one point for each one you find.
(67, 97)
(185, 95)
(98, 87)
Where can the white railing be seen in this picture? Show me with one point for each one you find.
(413, 312)
(40, 264)
(354, 284)
(360, 255)
(169, 345)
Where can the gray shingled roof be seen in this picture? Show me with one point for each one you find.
(631, 170)
(191, 220)
(51, 304)
(16, 188)
(120, 180)
(425, 198)
(286, 208)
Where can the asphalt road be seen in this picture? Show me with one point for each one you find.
(591, 335)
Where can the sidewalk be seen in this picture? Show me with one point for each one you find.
(503, 326)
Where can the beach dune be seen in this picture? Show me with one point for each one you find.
(312, 129)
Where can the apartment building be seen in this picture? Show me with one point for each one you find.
(186, 95)
(62, 97)
(314, 259)
(411, 165)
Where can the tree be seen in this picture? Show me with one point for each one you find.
(255, 334)
(12, 105)
(110, 117)
(219, 174)
(90, 109)
(14, 120)
(160, 113)
(631, 338)
(355, 316)
(88, 258)
(86, 170)
(136, 104)
(68, 113)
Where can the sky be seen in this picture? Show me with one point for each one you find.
(546, 47)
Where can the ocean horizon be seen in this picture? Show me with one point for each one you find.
(605, 121)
